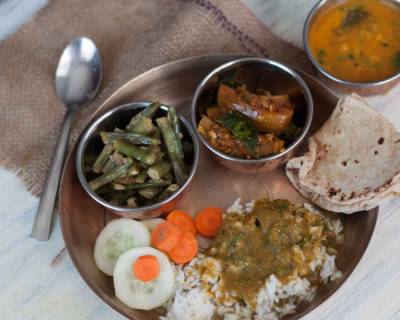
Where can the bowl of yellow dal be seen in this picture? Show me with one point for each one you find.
(355, 44)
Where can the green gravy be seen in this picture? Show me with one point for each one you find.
(275, 238)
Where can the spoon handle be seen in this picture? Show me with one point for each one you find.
(42, 224)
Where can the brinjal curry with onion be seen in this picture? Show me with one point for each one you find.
(248, 125)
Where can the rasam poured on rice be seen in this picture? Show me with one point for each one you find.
(275, 238)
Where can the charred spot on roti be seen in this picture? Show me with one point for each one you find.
(324, 147)
(344, 163)
(388, 182)
(356, 161)
(375, 152)
(342, 197)
(381, 140)
(353, 194)
(332, 192)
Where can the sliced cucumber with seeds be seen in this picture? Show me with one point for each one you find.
(136, 293)
(117, 237)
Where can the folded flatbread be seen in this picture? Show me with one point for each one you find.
(353, 162)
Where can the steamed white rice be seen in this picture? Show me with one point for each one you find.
(198, 295)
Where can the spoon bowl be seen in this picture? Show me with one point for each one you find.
(78, 75)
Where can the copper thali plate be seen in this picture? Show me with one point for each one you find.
(82, 218)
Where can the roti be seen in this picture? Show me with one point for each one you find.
(353, 161)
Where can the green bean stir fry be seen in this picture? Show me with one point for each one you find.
(142, 164)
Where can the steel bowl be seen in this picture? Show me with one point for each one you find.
(91, 144)
(257, 73)
(365, 88)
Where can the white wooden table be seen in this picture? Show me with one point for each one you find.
(34, 284)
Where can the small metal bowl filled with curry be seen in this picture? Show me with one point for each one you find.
(252, 114)
(354, 44)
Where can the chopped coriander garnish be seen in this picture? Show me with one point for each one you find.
(321, 54)
(396, 60)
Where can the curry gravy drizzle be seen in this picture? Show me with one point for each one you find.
(275, 238)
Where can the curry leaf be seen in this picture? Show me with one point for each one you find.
(354, 16)
(290, 133)
(230, 82)
(242, 128)
(396, 60)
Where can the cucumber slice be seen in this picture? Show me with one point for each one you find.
(152, 223)
(117, 237)
(136, 293)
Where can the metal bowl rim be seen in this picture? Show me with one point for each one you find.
(371, 84)
(281, 67)
(89, 130)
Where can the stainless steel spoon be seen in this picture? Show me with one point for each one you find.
(77, 81)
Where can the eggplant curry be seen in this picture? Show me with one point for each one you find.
(247, 125)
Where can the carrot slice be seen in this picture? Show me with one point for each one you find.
(165, 236)
(146, 268)
(183, 221)
(185, 250)
(208, 221)
(168, 207)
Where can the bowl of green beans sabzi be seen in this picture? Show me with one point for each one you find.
(137, 159)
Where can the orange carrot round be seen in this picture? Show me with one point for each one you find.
(168, 207)
(165, 236)
(146, 268)
(185, 250)
(208, 221)
(183, 221)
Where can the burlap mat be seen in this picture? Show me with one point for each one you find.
(133, 36)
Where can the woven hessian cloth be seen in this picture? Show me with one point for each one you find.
(133, 36)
